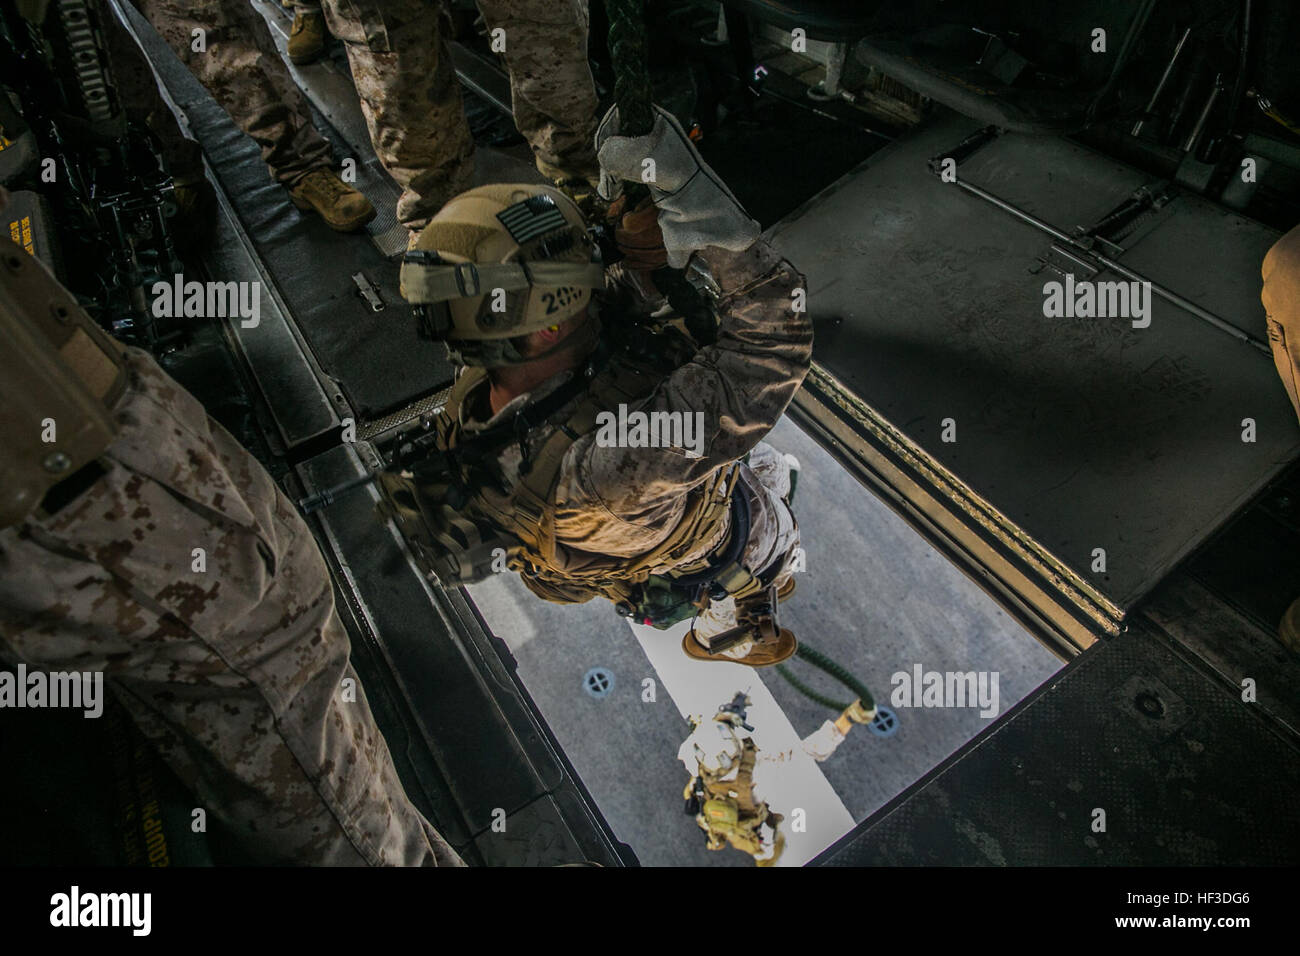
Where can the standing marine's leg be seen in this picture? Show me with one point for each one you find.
(187, 577)
(404, 75)
(227, 46)
(240, 67)
(553, 95)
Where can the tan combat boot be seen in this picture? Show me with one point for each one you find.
(307, 36)
(760, 654)
(342, 207)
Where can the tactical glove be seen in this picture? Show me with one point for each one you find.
(695, 208)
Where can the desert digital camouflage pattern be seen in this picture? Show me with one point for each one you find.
(403, 72)
(242, 69)
(1281, 297)
(621, 501)
(238, 673)
(404, 75)
(553, 97)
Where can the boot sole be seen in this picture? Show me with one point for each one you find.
(695, 652)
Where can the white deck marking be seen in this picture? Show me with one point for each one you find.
(793, 780)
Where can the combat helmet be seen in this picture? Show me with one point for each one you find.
(499, 262)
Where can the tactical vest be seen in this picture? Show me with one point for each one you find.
(461, 535)
(727, 811)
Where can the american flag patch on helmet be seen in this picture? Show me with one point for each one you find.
(535, 216)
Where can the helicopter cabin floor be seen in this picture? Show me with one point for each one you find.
(481, 719)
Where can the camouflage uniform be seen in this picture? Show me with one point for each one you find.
(552, 94)
(1281, 297)
(402, 68)
(243, 71)
(404, 75)
(773, 536)
(622, 502)
(237, 672)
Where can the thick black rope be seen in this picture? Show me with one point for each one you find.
(824, 663)
(627, 51)
(634, 96)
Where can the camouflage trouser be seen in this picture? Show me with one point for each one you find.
(404, 75)
(242, 69)
(230, 658)
(773, 533)
(552, 94)
(1281, 297)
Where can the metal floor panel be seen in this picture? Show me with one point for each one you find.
(1084, 433)
(328, 86)
(377, 358)
(1186, 773)
(275, 355)
(875, 598)
(467, 742)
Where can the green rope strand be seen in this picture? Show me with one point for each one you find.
(824, 663)
(808, 692)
